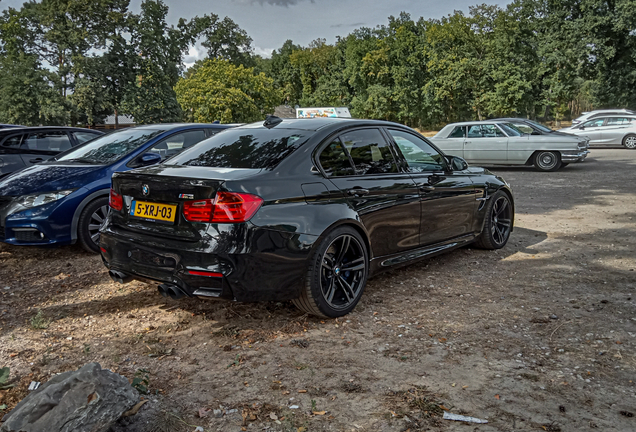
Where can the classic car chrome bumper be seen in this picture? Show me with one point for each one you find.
(574, 156)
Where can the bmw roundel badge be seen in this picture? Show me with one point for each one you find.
(145, 190)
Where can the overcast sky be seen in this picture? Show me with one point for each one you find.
(271, 22)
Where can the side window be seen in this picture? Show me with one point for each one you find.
(47, 141)
(82, 137)
(616, 121)
(458, 132)
(335, 161)
(594, 123)
(491, 131)
(13, 141)
(369, 151)
(419, 155)
(475, 132)
(523, 128)
(176, 143)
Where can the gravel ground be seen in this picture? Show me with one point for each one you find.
(537, 336)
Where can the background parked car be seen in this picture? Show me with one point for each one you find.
(608, 130)
(65, 200)
(298, 209)
(25, 146)
(596, 113)
(529, 126)
(501, 143)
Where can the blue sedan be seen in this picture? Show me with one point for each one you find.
(65, 200)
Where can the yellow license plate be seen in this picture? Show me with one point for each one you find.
(154, 211)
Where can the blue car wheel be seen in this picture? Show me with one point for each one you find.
(90, 222)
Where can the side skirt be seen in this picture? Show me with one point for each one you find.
(389, 262)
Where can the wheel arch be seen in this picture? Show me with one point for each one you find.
(80, 208)
(530, 160)
(352, 223)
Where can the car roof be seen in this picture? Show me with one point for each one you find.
(477, 122)
(314, 124)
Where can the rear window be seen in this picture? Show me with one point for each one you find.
(243, 148)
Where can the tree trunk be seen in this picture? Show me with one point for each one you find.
(116, 119)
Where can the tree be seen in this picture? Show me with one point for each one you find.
(218, 90)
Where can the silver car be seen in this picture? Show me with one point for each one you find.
(501, 143)
(608, 130)
(589, 115)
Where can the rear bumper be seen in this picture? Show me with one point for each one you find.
(574, 156)
(255, 265)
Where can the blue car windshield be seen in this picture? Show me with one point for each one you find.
(109, 148)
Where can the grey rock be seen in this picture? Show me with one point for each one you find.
(218, 413)
(554, 316)
(88, 400)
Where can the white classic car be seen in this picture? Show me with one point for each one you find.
(501, 143)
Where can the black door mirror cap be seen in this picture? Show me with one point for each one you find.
(457, 164)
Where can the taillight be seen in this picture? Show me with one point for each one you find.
(198, 211)
(115, 201)
(226, 207)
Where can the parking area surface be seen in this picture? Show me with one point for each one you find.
(537, 336)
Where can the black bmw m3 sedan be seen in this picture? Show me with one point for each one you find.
(298, 209)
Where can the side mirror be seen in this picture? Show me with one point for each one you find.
(147, 159)
(582, 127)
(456, 163)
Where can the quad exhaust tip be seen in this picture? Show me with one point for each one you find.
(172, 291)
(119, 277)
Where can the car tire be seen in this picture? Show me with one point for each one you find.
(498, 222)
(547, 161)
(90, 221)
(630, 141)
(337, 275)
(563, 165)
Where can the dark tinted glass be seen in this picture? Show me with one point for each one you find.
(370, 152)
(335, 161)
(458, 132)
(419, 155)
(47, 141)
(13, 141)
(82, 137)
(243, 148)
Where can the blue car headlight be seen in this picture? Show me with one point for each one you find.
(30, 201)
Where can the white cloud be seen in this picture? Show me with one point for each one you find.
(194, 53)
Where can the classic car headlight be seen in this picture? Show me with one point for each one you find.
(28, 201)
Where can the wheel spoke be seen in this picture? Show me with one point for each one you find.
(346, 288)
(327, 263)
(330, 291)
(95, 237)
(97, 217)
(344, 247)
(94, 227)
(504, 222)
(502, 208)
(357, 264)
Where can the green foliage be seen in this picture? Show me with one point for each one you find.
(218, 90)
(4, 378)
(39, 321)
(141, 381)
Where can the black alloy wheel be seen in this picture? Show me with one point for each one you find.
(547, 161)
(630, 141)
(91, 220)
(498, 223)
(337, 275)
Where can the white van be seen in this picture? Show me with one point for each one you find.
(342, 112)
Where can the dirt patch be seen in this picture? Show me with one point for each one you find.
(537, 336)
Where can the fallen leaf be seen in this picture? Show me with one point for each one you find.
(301, 429)
(441, 339)
(302, 391)
(497, 396)
(203, 412)
(319, 412)
(444, 408)
(134, 409)
(273, 416)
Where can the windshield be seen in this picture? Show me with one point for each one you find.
(243, 148)
(109, 148)
(539, 126)
(510, 129)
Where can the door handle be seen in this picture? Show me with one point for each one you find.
(427, 188)
(36, 160)
(358, 191)
(466, 142)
